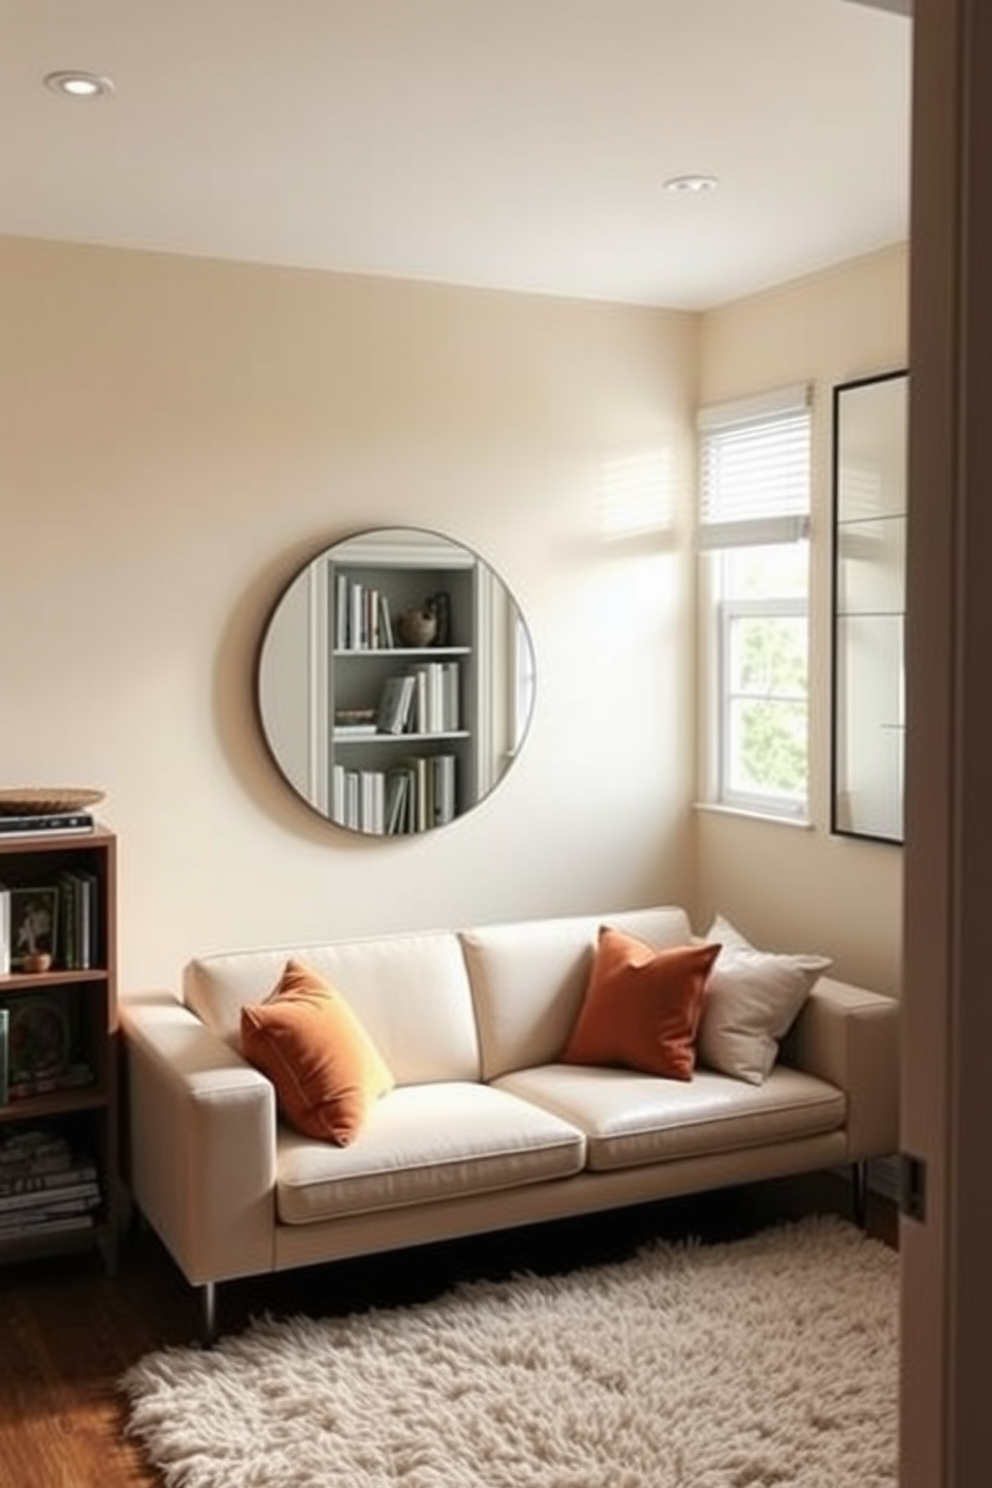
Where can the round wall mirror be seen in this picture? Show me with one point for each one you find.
(395, 681)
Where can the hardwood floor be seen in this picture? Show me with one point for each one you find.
(68, 1331)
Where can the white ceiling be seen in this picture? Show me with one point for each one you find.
(508, 143)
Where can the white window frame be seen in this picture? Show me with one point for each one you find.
(780, 515)
(727, 611)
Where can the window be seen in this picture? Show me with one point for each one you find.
(753, 539)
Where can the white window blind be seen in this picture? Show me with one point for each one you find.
(755, 470)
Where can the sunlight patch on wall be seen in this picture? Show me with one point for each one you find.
(636, 495)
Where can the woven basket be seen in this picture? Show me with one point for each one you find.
(46, 800)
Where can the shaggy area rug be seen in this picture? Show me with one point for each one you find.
(757, 1363)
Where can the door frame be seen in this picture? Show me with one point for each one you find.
(945, 1423)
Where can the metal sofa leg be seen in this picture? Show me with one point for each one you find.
(859, 1192)
(208, 1314)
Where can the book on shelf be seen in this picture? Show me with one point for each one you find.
(359, 800)
(386, 639)
(358, 718)
(401, 799)
(68, 1198)
(345, 799)
(33, 1152)
(396, 704)
(30, 1145)
(362, 619)
(44, 1224)
(45, 1184)
(452, 696)
(88, 888)
(43, 1157)
(356, 618)
(425, 793)
(4, 1055)
(22, 1086)
(436, 707)
(13, 1169)
(370, 620)
(419, 808)
(79, 919)
(372, 805)
(351, 798)
(340, 612)
(80, 1170)
(421, 792)
(397, 790)
(51, 821)
(421, 701)
(4, 930)
(69, 907)
(444, 802)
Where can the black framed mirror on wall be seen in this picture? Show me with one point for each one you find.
(870, 429)
(395, 681)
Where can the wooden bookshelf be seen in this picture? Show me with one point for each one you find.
(61, 1064)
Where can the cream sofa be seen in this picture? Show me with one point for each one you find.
(485, 1129)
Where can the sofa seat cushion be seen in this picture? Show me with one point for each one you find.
(631, 1119)
(423, 1143)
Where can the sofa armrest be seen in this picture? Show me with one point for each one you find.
(850, 1037)
(202, 1141)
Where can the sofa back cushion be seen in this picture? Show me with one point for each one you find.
(411, 993)
(529, 978)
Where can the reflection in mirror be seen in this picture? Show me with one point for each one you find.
(395, 681)
(870, 442)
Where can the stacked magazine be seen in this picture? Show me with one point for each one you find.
(45, 1186)
(41, 824)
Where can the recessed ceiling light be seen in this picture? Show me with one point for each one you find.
(79, 84)
(692, 185)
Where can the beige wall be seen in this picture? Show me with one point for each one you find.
(782, 883)
(177, 435)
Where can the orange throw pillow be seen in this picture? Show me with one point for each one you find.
(642, 1006)
(327, 1071)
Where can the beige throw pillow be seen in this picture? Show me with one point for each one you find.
(751, 1000)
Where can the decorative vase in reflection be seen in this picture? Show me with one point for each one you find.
(418, 625)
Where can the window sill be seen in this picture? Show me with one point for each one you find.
(797, 823)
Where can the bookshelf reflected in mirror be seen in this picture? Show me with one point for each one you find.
(395, 681)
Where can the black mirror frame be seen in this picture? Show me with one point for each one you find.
(841, 823)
